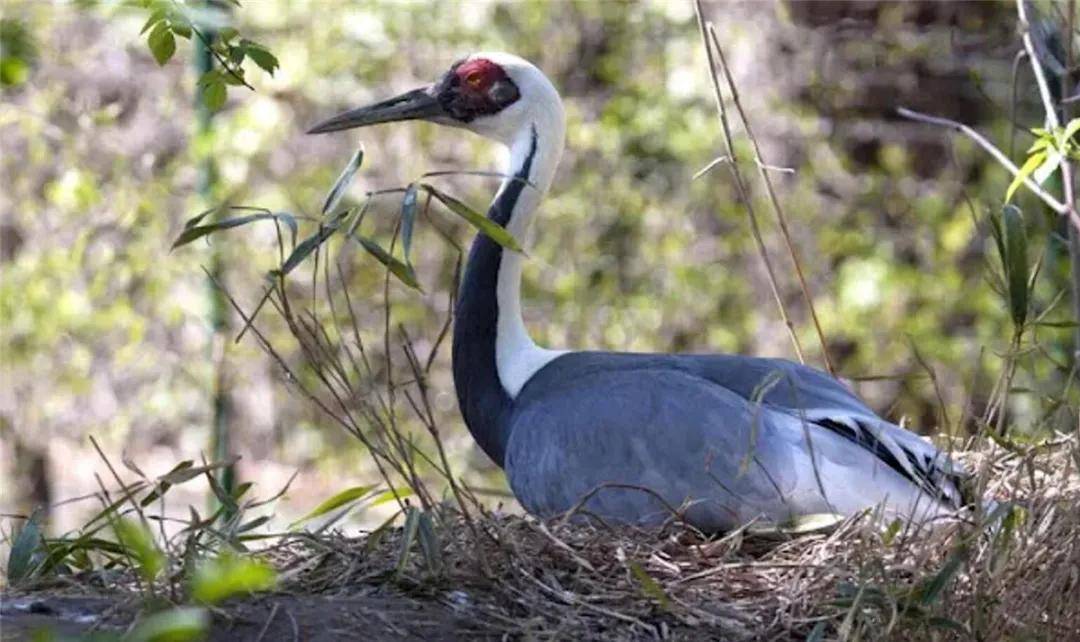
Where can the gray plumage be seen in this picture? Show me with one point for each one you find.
(727, 437)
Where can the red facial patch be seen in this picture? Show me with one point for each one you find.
(479, 74)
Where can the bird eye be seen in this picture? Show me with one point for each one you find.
(474, 78)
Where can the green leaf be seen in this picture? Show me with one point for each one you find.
(929, 591)
(648, 585)
(1014, 260)
(26, 546)
(490, 228)
(227, 33)
(162, 43)
(236, 54)
(403, 271)
(817, 634)
(1033, 162)
(408, 535)
(229, 575)
(261, 56)
(194, 233)
(156, 16)
(214, 94)
(429, 543)
(346, 496)
(139, 543)
(175, 625)
(180, 24)
(308, 245)
(1048, 166)
(391, 495)
(1070, 130)
(408, 220)
(341, 185)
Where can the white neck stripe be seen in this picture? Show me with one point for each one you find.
(517, 357)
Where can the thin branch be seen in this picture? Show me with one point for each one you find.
(999, 156)
(740, 185)
(763, 169)
(1040, 78)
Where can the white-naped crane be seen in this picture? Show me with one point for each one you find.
(725, 438)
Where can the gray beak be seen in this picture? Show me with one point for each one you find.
(418, 104)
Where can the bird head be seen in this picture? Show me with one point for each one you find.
(496, 95)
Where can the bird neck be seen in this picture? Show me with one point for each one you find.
(493, 354)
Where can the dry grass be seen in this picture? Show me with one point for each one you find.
(1017, 580)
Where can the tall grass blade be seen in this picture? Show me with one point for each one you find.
(341, 185)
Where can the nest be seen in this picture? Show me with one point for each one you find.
(1012, 573)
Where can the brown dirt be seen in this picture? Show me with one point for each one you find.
(273, 618)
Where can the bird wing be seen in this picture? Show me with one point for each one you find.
(588, 421)
(819, 399)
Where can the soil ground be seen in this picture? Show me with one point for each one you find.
(273, 618)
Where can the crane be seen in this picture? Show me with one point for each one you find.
(723, 439)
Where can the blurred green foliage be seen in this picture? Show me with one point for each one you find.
(104, 330)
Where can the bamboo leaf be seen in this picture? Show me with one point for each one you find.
(490, 228)
(198, 231)
(402, 271)
(136, 539)
(346, 496)
(341, 185)
(1015, 262)
(429, 543)
(229, 575)
(24, 549)
(1029, 166)
(408, 220)
(408, 535)
(1048, 166)
(308, 245)
(1070, 130)
(648, 585)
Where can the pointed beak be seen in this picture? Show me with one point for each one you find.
(418, 104)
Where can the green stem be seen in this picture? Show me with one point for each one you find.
(220, 440)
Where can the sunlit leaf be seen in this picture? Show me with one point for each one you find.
(230, 575)
(161, 42)
(493, 230)
(1070, 130)
(214, 94)
(139, 543)
(1047, 167)
(343, 498)
(402, 271)
(341, 185)
(175, 625)
(156, 16)
(1026, 170)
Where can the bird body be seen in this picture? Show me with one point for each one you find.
(723, 439)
